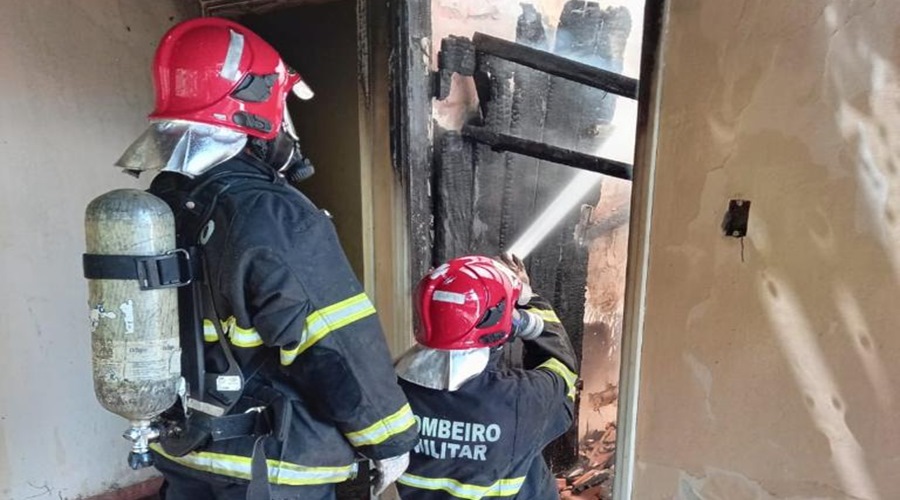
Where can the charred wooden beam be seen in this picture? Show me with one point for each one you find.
(453, 190)
(541, 151)
(530, 28)
(412, 144)
(457, 55)
(552, 64)
(489, 200)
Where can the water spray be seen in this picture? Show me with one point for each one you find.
(565, 201)
(619, 146)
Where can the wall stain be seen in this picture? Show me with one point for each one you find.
(60, 448)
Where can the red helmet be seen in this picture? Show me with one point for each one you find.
(215, 71)
(466, 303)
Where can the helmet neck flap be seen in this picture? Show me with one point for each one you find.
(441, 369)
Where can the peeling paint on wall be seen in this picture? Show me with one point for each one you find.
(792, 105)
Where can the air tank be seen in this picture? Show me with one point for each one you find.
(134, 332)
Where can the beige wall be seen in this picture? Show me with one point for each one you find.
(74, 90)
(775, 376)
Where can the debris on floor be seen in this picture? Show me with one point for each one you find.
(592, 478)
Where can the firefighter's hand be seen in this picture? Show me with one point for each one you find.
(527, 325)
(389, 470)
(516, 265)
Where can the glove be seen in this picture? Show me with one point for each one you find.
(389, 470)
(526, 325)
(517, 267)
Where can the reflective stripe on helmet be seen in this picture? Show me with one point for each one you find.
(326, 320)
(555, 366)
(383, 429)
(231, 66)
(237, 466)
(501, 488)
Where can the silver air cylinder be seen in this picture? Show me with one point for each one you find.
(134, 332)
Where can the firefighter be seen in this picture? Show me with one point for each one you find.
(319, 388)
(482, 427)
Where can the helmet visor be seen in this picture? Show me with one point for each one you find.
(180, 146)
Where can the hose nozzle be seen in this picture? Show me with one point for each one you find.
(526, 325)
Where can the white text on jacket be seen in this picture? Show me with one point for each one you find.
(442, 439)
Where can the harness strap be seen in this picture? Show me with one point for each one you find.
(172, 269)
(198, 206)
(259, 488)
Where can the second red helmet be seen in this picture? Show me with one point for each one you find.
(465, 304)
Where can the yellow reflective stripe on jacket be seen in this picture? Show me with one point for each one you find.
(555, 366)
(501, 488)
(209, 331)
(384, 429)
(324, 321)
(240, 337)
(237, 466)
(548, 315)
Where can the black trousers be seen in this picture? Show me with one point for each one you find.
(182, 485)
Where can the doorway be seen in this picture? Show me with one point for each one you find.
(486, 181)
(319, 40)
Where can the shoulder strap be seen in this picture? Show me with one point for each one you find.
(212, 393)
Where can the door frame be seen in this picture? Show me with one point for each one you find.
(412, 153)
(386, 241)
(638, 266)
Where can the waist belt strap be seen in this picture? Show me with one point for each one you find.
(252, 423)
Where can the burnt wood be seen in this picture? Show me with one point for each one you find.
(541, 151)
(490, 165)
(579, 118)
(555, 65)
(454, 188)
(484, 197)
(457, 55)
(412, 141)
